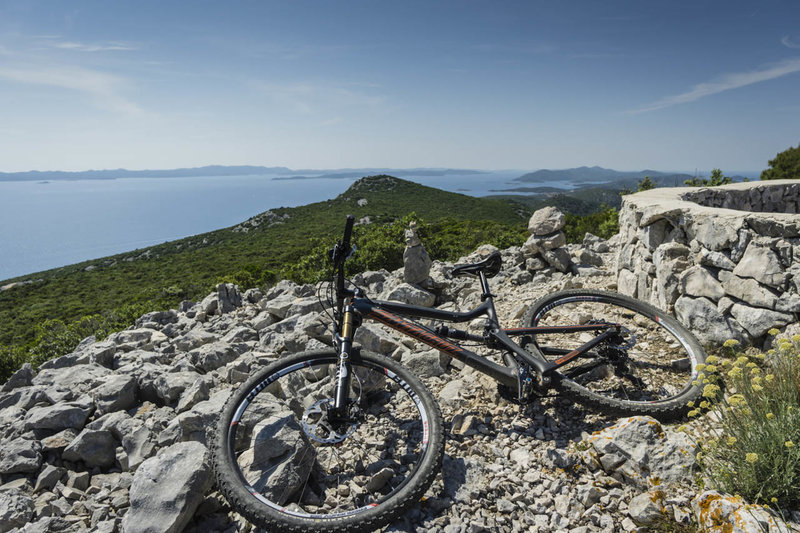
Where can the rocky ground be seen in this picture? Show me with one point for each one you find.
(113, 436)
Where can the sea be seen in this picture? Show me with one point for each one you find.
(53, 223)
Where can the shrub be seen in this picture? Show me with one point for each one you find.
(755, 448)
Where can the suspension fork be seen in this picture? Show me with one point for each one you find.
(350, 321)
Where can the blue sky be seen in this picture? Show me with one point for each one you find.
(672, 85)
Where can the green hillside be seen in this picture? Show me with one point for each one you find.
(49, 313)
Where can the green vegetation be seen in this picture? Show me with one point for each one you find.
(54, 310)
(714, 180)
(49, 316)
(645, 184)
(604, 223)
(785, 165)
(755, 448)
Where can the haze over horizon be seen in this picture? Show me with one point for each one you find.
(309, 85)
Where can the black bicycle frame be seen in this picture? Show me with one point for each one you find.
(494, 337)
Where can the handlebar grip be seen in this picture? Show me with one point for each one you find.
(348, 231)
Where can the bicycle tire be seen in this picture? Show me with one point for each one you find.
(661, 373)
(263, 415)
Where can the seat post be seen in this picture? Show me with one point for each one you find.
(484, 285)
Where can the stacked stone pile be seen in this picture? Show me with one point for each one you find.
(730, 272)
(114, 436)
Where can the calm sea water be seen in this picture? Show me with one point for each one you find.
(47, 225)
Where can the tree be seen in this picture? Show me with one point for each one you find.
(715, 179)
(645, 184)
(786, 165)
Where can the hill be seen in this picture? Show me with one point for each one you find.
(109, 293)
(602, 175)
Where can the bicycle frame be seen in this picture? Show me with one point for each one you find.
(392, 314)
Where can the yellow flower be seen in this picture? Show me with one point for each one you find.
(774, 331)
(731, 441)
(769, 377)
(701, 367)
(755, 371)
(693, 412)
(682, 428)
(758, 388)
(770, 416)
(730, 343)
(690, 404)
(712, 359)
(711, 369)
(742, 359)
(751, 365)
(735, 372)
(751, 457)
(736, 400)
(789, 444)
(796, 337)
(704, 405)
(774, 499)
(710, 391)
(757, 380)
(761, 357)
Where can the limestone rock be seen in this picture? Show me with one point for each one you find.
(758, 321)
(426, 364)
(71, 415)
(545, 221)
(720, 512)
(16, 509)
(762, 264)
(699, 282)
(647, 507)
(278, 457)
(703, 318)
(751, 291)
(411, 295)
(117, 393)
(541, 243)
(21, 378)
(20, 456)
(167, 489)
(646, 450)
(93, 447)
(416, 261)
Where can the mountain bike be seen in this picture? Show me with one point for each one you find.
(344, 439)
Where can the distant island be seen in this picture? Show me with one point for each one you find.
(602, 175)
(223, 170)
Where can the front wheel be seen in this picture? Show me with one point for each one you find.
(286, 464)
(648, 367)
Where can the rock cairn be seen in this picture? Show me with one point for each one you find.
(416, 262)
(113, 436)
(725, 260)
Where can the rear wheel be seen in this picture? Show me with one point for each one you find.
(647, 367)
(286, 465)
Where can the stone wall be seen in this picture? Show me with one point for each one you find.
(724, 260)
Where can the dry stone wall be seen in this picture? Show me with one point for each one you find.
(724, 260)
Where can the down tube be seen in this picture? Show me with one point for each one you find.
(503, 374)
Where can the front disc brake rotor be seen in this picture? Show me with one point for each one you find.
(317, 425)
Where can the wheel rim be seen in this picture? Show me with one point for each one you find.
(650, 362)
(284, 463)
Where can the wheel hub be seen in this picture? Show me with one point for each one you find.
(318, 426)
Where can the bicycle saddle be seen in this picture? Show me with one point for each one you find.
(490, 266)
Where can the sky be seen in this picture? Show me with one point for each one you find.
(630, 85)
